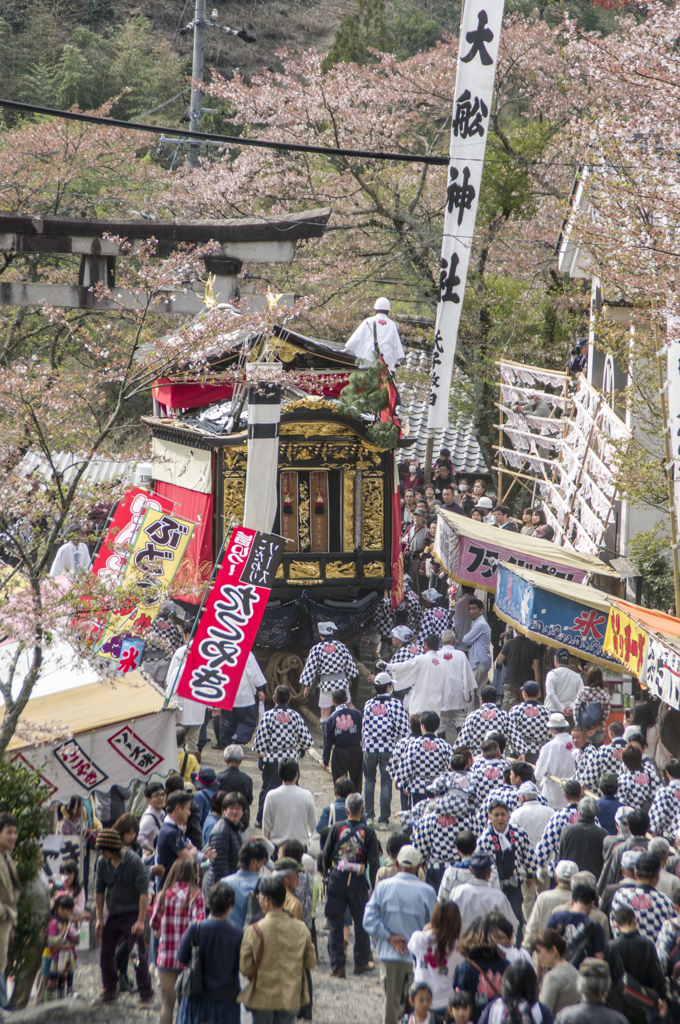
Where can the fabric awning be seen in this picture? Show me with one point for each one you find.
(468, 550)
(647, 643)
(555, 612)
(118, 734)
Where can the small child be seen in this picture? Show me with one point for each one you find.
(418, 1006)
(460, 1008)
(62, 939)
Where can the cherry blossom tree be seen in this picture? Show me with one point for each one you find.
(385, 231)
(626, 146)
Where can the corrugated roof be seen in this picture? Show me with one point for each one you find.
(101, 470)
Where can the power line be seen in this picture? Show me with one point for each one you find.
(226, 140)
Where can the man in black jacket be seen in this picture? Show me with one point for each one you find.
(232, 779)
(639, 959)
(350, 856)
(582, 842)
(226, 839)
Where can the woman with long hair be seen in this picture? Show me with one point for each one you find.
(179, 902)
(482, 967)
(436, 954)
(559, 982)
(518, 1002)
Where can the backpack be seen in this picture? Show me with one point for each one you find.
(253, 909)
(581, 947)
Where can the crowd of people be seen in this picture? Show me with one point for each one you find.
(454, 492)
(499, 842)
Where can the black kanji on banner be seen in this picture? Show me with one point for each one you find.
(478, 38)
(459, 195)
(469, 116)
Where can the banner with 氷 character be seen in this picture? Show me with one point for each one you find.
(555, 612)
(625, 641)
(154, 558)
(231, 618)
(469, 552)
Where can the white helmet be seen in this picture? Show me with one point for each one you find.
(383, 305)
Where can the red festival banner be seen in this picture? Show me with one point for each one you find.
(397, 551)
(231, 618)
(122, 529)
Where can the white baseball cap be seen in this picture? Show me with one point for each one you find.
(409, 857)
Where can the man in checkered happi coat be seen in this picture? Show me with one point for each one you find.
(434, 834)
(425, 758)
(332, 663)
(548, 844)
(528, 723)
(281, 733)
(385, 724)
(666, 804)
(435, 619)
(487, 773)
(587, 760)
(651, 908)
(481, 721)
(408, 613)
(514, 855)
(639, 784)
(404, 646)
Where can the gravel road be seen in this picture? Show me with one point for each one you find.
(351, 1001)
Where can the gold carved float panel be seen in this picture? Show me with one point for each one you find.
(300, 570)
(372, 512)
(374, 569)
(340, 570)
(348, 484)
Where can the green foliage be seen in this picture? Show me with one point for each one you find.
(98, 10)
(23, 795)
(367, 29)
(146, 67)
(413, 31)
(650, 553)
(78, 83)
(365, 395)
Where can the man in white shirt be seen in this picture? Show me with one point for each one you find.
(532, 817)
(289, 811)
(380, 329)
(239, 724)
(191, 715)
(562, 685)
(556, 758)
(73, 556)
(478, 897)
(460, 687)
(425, 676)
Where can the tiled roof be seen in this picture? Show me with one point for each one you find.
(458, 437)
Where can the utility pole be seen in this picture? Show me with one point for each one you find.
(196, 110)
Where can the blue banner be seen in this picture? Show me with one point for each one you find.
(552, 618)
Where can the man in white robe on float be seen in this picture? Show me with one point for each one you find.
(381, 329)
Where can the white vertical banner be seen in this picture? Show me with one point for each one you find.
(673, 398)
(261, 497)
(475, 75)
